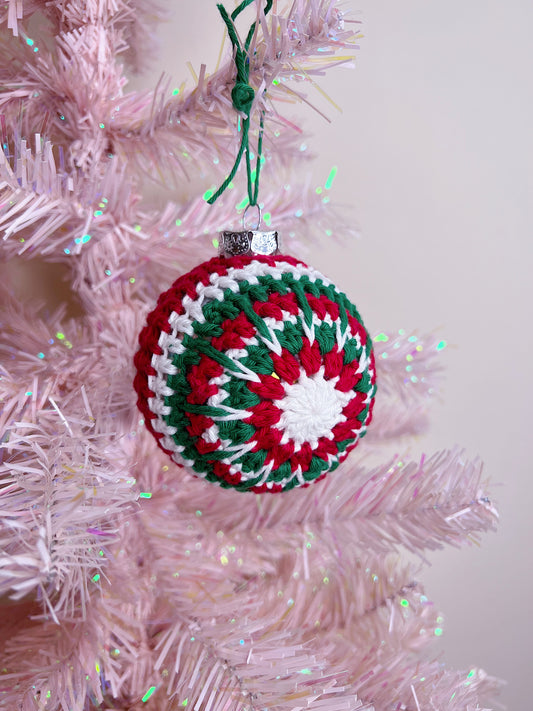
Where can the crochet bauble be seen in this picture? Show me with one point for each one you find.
(255, 373)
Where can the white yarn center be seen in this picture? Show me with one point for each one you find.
(310, 409)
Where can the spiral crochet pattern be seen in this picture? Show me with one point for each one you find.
(255, 373)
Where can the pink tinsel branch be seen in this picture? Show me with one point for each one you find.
(420, 505)
(134, 19)
(146, 130)
(58, 508)
(410, 373)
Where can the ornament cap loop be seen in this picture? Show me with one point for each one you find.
(259, 217)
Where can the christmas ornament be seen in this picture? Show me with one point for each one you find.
(254, 372)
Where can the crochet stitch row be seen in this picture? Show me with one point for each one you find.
(255, 373)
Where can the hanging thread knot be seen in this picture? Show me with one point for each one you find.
(242, 97)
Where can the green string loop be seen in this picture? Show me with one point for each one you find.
(242, 97)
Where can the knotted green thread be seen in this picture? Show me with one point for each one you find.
(242, 97)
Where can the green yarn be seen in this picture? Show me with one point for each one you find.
(350, 352)
(258, 360)
(242, 97)
(326, 337)
(291, 338)
(281, 472)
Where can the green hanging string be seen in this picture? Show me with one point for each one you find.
(242, 97)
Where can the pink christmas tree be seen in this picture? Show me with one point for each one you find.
(126, 582)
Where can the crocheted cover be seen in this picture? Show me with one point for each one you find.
(255, 373)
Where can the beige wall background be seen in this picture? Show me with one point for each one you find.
(435, 152)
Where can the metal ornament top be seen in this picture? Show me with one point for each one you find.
(250, 242)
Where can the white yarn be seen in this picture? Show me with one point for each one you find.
(311, 408)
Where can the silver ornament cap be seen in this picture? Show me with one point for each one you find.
(249, 242)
